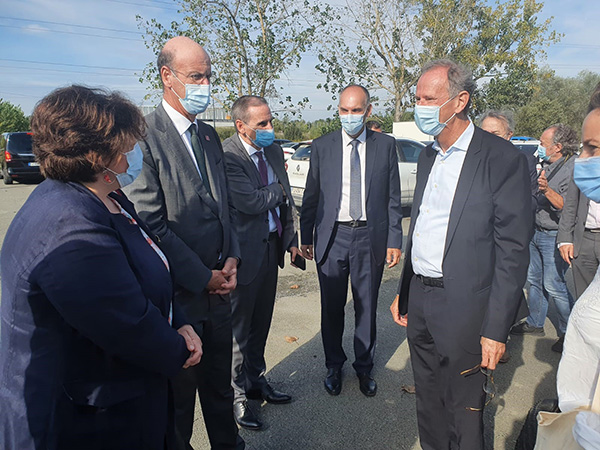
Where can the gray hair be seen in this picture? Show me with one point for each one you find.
(239, 109)
(565, 136)
(366, 92)
(504, 116)
(165, 58)
(595, 100)
(460, 78)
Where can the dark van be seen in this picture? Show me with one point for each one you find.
(16, 158)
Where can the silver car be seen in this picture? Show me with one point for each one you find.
(408, 151)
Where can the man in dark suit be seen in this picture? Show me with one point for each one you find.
(466, 259)
(260, 192)
(578, 237)
(351, 212)
(182, 195)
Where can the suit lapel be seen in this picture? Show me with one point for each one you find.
(248, 162)
(371, 150)
(335, 153)
(212, 159)
(423, 170)
(465, 181)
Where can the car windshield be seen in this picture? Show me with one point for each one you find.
(302, 154)
(527, 148)
(19, 143)
(410, 149)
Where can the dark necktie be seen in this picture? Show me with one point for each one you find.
(264, 176)
(199, 154)
(355, 196)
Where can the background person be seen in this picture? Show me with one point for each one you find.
(373, 125)
(466, 258)
(351, 213)
(89, 331)
(261, 194)
(546, 273)
(183, 196)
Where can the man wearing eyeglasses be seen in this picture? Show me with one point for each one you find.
(183, 196)
(466, 259)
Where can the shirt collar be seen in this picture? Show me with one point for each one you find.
(346, 139)
(251, 150)
(461, 144)
(181, 123)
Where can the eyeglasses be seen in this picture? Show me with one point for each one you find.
(196, 76)
(489, 387)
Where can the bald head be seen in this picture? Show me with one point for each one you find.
(182, 62)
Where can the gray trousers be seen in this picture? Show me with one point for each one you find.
(586, 264)
(252, 311)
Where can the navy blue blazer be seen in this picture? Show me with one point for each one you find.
(85, 346)
(486, 253)
(323, 193)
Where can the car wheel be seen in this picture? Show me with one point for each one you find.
(6, 177)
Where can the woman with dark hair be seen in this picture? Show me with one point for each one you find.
(89, 332)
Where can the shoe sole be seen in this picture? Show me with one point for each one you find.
(369, 394)
(333, 392)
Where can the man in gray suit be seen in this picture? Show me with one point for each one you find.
(183, 197)
(351, 212)
(260, 192)
(579, 237)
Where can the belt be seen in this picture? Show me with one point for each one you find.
(354, 223)
(429, 281)
(593, 230)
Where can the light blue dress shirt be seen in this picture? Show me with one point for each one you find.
(271, 176)
(431, 228)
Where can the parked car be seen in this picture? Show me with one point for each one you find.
(289, 148)
(407, 150)
(16, 158)
(281, 141)
(525, 144)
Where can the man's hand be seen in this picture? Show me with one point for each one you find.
(307, 251)
(294, 251)
(229, 271)
(543, 182)
(393, 257)
(491, 351)
(216, 281)
(566, 251)
(399, 319)
(193, 344)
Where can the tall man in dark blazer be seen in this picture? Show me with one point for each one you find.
(466, 259)
(260, 192)
(351, 213)
(183, 196)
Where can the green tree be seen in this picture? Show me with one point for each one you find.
(383, 43)
(252, 43)
(12, 118)
(556, 99)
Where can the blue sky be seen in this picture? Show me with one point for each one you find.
(39, 55)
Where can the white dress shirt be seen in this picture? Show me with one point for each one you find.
(431, 228)
(271, 176)
(344, 214)
(592, 221)
(182, 124)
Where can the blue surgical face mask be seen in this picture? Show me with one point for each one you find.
(135, 159)
(352, 123)
(197, 97)
(541, 152)
(263, 138)
(427, 119)
(586, 174)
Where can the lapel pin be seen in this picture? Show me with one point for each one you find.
(207, 138)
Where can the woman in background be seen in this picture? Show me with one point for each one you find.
(89, 332)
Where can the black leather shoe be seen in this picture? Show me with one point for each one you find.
(269, 395)
(245, 417)
(367, 384)
(333, 381)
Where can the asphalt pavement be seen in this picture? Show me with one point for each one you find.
(316, 420)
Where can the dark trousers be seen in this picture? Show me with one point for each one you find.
(444, 396)
(349, 255)
(211, 379)
(586, 264)
(252, 311)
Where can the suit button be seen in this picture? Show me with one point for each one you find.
(266, 220)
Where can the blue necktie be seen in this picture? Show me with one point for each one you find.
(264, 176)
(355, 195)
